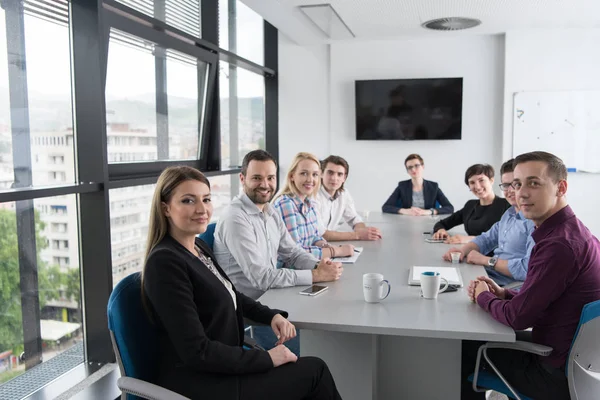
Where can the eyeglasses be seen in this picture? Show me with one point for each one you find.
(506, 186)
(411, 167)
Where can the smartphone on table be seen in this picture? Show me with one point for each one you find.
(314, 290)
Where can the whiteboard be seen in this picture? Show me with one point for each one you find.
(566, 124)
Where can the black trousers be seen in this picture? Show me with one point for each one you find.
(306, 379)
(526, 372)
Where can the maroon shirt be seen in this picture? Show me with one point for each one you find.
(563, 276)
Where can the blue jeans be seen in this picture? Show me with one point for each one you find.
(265, 337)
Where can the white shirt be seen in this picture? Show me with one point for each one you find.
(333, 213)
(248, 243)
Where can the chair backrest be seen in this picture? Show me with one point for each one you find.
(583, 364)
(135, 338)
(209, 236)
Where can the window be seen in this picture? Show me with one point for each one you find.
(182, 14)
(136, 129)
(222, 189)
(241, 30)
(49, 108)
(129, 216)
(58, 317)
(242, 97)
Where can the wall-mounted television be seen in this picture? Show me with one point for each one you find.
(409, 109)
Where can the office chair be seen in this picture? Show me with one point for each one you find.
(583, 363)
(209, 236)
(134, 339)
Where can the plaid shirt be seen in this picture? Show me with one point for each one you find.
(301, 221)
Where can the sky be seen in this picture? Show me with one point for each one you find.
(130, 71)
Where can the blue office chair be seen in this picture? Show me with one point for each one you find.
(583, 363)
(209, 236)
(134, 339)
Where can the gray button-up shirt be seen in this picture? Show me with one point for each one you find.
(248, 243)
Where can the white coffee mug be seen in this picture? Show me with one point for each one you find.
(430, 284)
(373, 288)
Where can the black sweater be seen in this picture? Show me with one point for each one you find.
(475, 217)
(200, 332)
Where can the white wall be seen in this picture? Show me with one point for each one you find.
(547, 60)
(377, 166)
(317, 104)
(303, 100)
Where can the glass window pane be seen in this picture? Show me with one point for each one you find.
(129, 216)
(57, 289)
(222, 189)
(183, 116)
(182, 14)
(242, 108)
(241, 30)
(48, 119)
(152, 103)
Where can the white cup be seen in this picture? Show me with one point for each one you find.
(455, 256)
(373, 288)
(430, 284)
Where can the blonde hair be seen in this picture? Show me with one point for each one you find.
(290, 187)
(166, 184)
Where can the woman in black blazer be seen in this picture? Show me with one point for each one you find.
(199, 313)
(479, 215)
(417, 196)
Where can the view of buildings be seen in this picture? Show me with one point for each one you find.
(132, 124)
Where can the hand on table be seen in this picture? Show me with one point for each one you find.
(369, 233)
(476, 258)
(456, 239)
(441, 234)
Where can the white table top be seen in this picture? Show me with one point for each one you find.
(404, 312)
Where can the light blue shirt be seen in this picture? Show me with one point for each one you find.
(510, 239)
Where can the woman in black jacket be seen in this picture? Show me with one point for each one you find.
(417, 196)
(199, 313)
(479, 215)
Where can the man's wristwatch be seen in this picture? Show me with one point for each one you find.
(492, 262)
(432, 212)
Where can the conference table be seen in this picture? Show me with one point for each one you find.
(405, 347)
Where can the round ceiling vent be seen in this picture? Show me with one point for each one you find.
(451, 23)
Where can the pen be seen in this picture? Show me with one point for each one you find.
(356, 251)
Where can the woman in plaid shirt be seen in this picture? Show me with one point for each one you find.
(295, 204)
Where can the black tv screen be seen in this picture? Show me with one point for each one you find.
(409, 109)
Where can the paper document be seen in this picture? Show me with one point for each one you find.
(450, 273)
(350, 260)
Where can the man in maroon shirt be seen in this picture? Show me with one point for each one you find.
(563, 276)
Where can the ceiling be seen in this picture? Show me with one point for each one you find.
(371, 19)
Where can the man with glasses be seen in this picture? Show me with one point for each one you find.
(508, 242)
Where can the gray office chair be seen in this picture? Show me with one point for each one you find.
(583, 363)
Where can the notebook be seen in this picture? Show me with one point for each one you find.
(452, 274)
(351, 259)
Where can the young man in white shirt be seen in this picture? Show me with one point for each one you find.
(335, 207)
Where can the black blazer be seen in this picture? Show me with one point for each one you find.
(475, 217)
(432, 194)
(200, 332)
